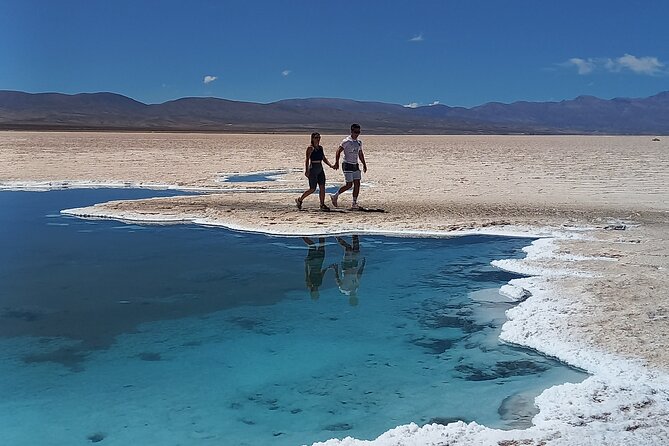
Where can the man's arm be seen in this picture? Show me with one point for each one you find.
(362, 160)
(337, 278)
(361, 269)
(337, 155)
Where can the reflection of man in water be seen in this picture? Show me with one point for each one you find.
(313, 265)
(352, 266)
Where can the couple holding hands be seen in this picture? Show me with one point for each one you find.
(313, 168)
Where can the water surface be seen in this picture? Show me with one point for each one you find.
(179, 334)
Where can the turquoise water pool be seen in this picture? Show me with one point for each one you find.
(122, 334)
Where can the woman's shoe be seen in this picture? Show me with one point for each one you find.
(298, 202)
(324, 208)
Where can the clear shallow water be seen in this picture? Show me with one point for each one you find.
(271, 176)
(165, 335)
(253, 177)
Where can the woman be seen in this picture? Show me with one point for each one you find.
(313, 169)
(313, 266)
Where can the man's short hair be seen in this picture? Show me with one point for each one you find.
(355, 127)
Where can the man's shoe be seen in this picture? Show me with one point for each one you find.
(298, 202)
(333, 198)
(324, 208)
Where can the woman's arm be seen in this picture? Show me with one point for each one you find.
(325, 158)
(306, 161)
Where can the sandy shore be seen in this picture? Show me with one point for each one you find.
(600, 298)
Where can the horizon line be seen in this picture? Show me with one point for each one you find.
(328, 98)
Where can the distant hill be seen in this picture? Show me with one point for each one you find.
(109, 111)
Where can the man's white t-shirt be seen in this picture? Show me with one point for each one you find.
(351, 149)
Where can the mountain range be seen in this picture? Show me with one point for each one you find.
(110, 111)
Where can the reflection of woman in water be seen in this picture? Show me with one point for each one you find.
(313, 266)
(352, 266)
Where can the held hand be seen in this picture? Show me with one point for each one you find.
(364, 168)
(336, 166)
(306, 173)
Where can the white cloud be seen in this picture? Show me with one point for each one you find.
(285, 73)
(583, 66)
(640, 65)
(418, 38)
(209, 79)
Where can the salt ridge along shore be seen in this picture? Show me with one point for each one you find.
(597, 299)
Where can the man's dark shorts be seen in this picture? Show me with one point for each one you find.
(351, 172)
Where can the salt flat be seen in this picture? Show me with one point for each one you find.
(600, 298)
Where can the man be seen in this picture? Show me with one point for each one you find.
(352, 148)
(352, 266)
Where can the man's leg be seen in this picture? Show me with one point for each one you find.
(341, 190)
(343, 243)
(356, 191)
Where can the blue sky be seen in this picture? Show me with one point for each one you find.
(462, 53)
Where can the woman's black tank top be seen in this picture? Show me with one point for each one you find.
(317, 154)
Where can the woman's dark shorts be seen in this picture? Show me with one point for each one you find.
(316, 176)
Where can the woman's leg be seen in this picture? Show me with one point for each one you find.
(307, 193)
(321, 193)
